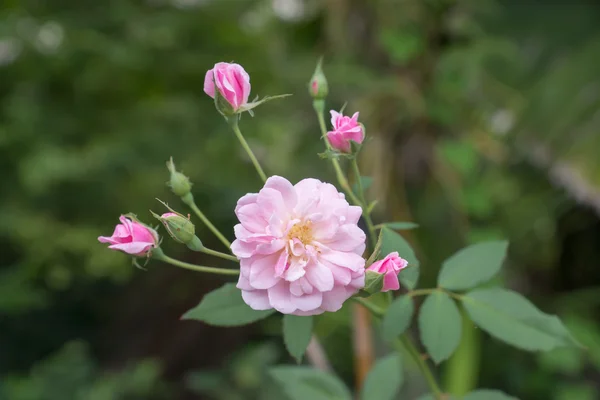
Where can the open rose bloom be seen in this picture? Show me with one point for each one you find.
(131, 237)
(232, 81)
(299, 246)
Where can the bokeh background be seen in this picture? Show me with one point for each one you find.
(483, 117)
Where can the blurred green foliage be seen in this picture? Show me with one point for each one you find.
(483, 117)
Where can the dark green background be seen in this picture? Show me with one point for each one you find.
(483, 119)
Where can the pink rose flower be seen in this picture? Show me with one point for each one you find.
(300, 247)
(344, 130)
(233, 83)
(131, 237)
(390, 266)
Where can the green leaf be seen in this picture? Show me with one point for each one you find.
(472, 265)
(397, 317)
(392, 241)
(409, 276)
(225, 307)
(440, 324)
(431, 397)
(510, 317)
(366, 181)
(297, 332)
(302, 383)
(384, 380)
(487, 394)
(400, 226)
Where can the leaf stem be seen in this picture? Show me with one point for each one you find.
(189, 200)
(364, 205)
(233, 122)
(425, 292)
(374, 309)
(158, 254)
(219, 254)
(408, 344)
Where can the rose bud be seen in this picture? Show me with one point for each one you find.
(180, 228)
(345, 129)
(233, 86)
(178, 182)
(390, 266)
(318, 87)
(131, 237)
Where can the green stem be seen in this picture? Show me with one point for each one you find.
(421, 292)
(366, 215)
(219, 254)
(424, 292)
(409, 346)
(233, 121)
(189, 200)
(319, 106)
(158, 254)
(375, 310)
(425, 370)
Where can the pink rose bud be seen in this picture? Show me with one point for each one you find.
(233, 84)
(345, 129)
(390, 266)
(318, 83)
(131, 237)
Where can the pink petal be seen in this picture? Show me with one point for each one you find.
(307, 302)
(280, 298)
(141, 233)
(251, 218)
(262, 271)
(283, 186)
(334, 117)
(348, 260)
(209, 84)
(320, 277)
(249, 198)
(347, 238)
(134, 248)
(334, 299)
(390, 282)
(257, 299)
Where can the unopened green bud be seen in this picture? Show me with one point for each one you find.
(318, 87)
(179, 183)
(179, 228)
(373, 284)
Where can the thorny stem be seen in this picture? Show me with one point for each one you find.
(233, 122)
(189, 200)
(407, 343)
(158, 254)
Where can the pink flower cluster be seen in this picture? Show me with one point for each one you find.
(299, 246)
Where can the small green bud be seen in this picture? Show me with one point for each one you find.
(179, 227)
(318, 87)
(373, 284)
(179, 183)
